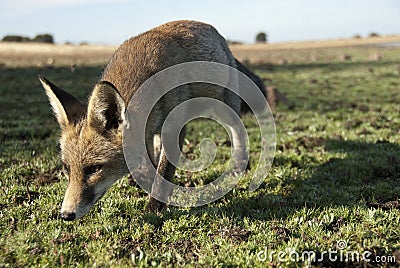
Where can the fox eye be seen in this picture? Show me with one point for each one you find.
(66, 168)
(89, 170)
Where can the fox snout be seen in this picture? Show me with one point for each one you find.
(77, 201)
(80, 197)
(86, 185)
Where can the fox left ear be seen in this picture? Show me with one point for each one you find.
(106, 107)
(67, 109)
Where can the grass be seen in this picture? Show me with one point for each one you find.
(335, 179)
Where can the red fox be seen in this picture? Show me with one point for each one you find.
(91, 136)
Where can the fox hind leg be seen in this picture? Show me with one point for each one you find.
(237, 131)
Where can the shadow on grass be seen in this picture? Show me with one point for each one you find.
(368, 175)
(369, 172)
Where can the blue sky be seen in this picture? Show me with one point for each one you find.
(113, 21)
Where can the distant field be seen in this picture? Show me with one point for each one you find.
(40, 55)
(322, 43)
(318, 51)
(25, 54)
(334, 185)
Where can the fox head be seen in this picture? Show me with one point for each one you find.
(90, 143)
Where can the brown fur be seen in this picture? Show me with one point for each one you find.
(91, 139)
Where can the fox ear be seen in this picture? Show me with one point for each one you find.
(66, 108)
(106, 107)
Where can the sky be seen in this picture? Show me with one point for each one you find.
(113, 21)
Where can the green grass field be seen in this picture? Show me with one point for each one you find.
(334, 185)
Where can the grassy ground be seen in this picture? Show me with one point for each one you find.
(334, 184)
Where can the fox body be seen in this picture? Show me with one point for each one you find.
(91, 135)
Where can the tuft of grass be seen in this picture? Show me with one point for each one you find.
(334, 184)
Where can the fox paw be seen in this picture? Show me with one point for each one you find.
(154, 205)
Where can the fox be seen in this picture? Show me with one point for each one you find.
(91, 138)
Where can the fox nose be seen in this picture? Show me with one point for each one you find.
(67, 216)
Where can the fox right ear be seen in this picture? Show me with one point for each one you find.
(106, 107)
(66, 108)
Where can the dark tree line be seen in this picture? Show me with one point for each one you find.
(40, 38)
